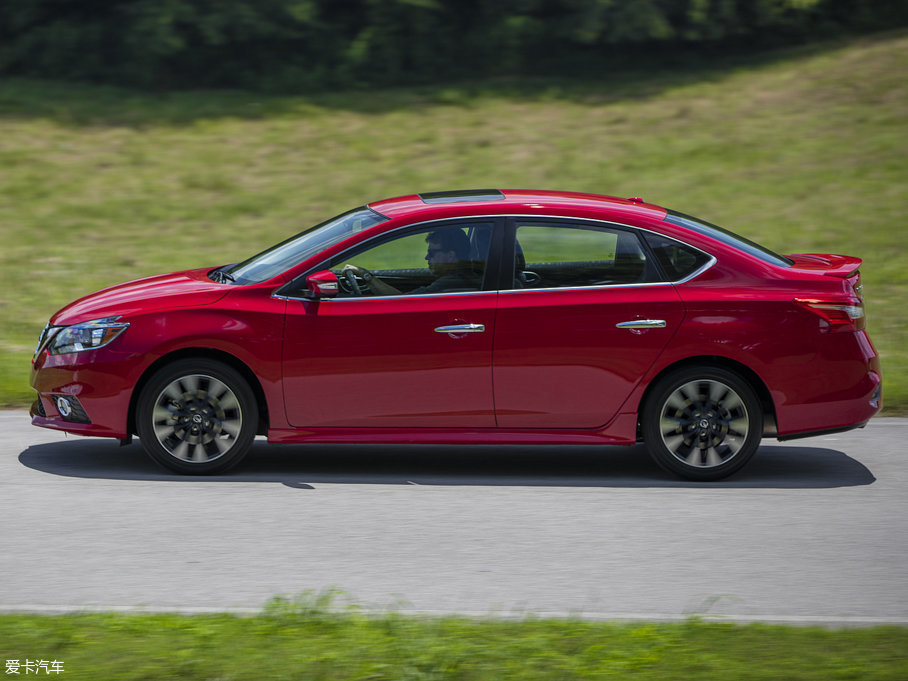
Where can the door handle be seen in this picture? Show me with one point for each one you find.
(457, 330)
(642, 324)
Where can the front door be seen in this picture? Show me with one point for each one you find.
(407, 343)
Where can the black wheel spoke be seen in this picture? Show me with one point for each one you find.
(197, 418)
(704, 423)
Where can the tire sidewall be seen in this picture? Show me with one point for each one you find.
(169, 373)
(653, 408)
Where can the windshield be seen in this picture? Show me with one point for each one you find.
(727, 237)
(296, 249)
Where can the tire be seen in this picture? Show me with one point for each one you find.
(702, 423)
(197, 417)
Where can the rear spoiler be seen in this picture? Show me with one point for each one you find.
(842, 266)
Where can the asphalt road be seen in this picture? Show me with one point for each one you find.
(812, 531)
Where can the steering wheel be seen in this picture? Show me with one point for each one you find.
(354, 284)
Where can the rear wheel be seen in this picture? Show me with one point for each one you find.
(197, 416)
(702, 423)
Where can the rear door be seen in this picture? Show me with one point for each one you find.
(585, 315)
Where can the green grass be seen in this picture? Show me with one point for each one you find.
(289, 643)
(803, 151)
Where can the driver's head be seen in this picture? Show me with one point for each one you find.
(446, 247)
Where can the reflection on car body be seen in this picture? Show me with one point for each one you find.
(523, 317)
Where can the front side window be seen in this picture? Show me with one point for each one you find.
(293, 251)
(449, 258)
(569, 255)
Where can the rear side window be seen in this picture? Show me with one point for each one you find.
(677, 260)
(729, 238)
(564, 255)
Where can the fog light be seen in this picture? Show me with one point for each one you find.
(70, 409)
(64, 406)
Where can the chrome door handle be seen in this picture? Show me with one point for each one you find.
(642, 324)
(455, 330)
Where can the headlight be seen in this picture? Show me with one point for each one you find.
(86, 336)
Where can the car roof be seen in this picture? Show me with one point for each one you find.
(513, 202)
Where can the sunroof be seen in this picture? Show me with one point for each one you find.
(462, 196)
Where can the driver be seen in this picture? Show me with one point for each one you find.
(448, 255)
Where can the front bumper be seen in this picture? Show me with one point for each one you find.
(98, 384)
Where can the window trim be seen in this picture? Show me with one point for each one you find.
(510, 239)
(493, 260)
(728, 238)
(502, 243)
(230, 269)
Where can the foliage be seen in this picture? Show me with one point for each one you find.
(803, 152)
(301, 45)
(314, 643)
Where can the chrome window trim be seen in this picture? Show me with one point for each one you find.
(712, 261)
(377, 237)
(398, 297)
(535, 216)
(586, 288)
(696, 273)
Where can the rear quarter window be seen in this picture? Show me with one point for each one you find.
(677, 260)
(728, 237)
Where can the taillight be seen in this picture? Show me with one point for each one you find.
(840, 315)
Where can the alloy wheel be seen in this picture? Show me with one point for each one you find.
(197, 418)
(704, 423)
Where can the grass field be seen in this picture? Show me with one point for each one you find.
(804, 151)
(313, 644)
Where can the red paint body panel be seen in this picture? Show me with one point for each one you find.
(166, 291)
(550, 366)
(379, 362)
(620, 431)
(246, 324)
(560, 360)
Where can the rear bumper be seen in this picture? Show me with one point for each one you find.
(853, 397)
(814, 433)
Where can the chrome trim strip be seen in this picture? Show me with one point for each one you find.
(693, 275)
(587, 288)
(410, 296)
(535, 216)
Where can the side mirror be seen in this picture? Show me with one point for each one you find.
(322, 284)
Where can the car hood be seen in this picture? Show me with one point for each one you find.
(191, 288)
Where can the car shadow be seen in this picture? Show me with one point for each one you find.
(302, 466)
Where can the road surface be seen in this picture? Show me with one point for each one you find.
(812, 531)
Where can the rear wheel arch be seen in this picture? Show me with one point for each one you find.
(746, 373)
(202, 353)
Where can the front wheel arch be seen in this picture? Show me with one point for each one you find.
(202, 353)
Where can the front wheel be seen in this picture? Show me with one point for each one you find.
(197, 416)
(702, 423)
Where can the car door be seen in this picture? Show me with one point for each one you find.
(586, 315)
(416, 357)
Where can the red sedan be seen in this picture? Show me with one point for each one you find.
(520, 317)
